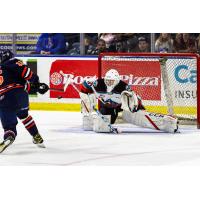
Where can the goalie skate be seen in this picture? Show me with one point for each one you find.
(37, 139)
(170, 124)
(6, 143)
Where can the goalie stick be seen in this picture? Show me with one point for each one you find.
(96, 95)
(113, 130)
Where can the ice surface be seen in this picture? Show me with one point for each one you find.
(67, 144)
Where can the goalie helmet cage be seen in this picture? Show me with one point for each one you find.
(167, 83)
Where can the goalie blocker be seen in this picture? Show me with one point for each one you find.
(116, 96)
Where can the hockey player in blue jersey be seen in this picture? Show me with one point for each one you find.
(16, 80)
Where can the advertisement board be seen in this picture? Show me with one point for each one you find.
(147, 83)
(25, 42)
(183, 81)
(144, 77)
(79, 69)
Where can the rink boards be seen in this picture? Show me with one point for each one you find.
(48, 68)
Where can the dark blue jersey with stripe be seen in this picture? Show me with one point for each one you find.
(14, 76)
(11, 73)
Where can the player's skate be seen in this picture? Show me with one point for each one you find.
(37, 139)
(6, 143)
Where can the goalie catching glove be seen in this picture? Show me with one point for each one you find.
(131, 101)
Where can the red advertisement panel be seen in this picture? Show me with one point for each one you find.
(78, 69)
(143, 76)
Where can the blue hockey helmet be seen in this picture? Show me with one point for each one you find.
(6, 55)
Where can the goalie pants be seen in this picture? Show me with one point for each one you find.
(110, 111)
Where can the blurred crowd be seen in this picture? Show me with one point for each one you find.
(95, 43)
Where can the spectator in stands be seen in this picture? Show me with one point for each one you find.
(108, 38)
(143, 45)
(71, 38)
(192, 48)
(186, 38)
(178, 43)
(100, 48)
(119, 46)
(189, 44)
(51, 43)
(164, 43)
(89, 44)
(75, 50)
(124, 41)
(132, 43)
(121, 42)
(198, 44)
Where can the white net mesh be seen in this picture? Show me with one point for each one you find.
(168, 87)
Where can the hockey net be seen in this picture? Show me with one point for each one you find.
(167, 83)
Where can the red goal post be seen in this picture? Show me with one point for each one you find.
(168, 83)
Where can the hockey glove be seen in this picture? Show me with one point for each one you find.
(129, 101)
(90, 81)
(33, 88)
(43, 88)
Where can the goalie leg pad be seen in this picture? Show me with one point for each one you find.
(100, 125)
(87, 123)
(89, 102)
(156, 121)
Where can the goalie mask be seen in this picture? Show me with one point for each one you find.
(111, 79)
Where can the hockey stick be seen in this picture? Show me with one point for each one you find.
(96, 95)
(114, 130)
(56, 89)
(69, 81)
